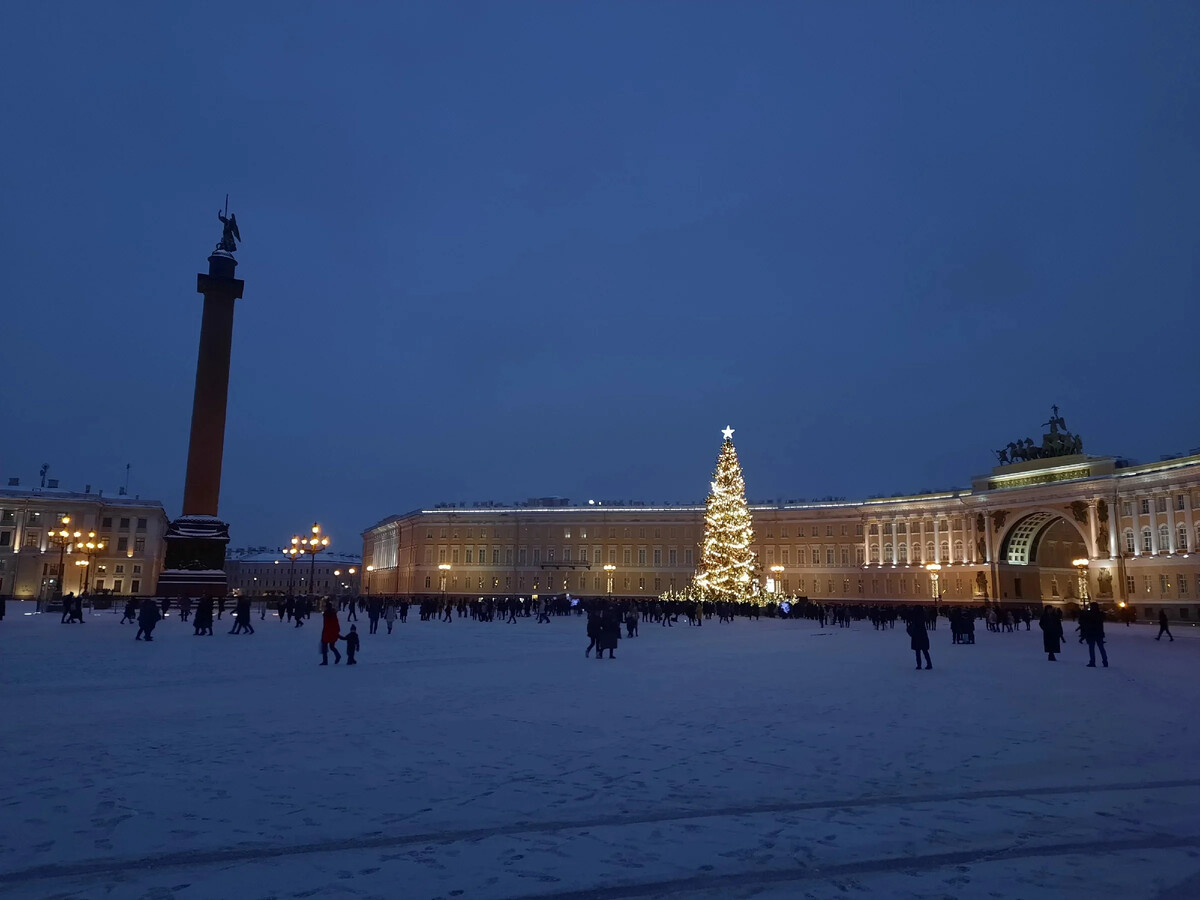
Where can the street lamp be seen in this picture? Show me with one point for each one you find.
(62, 536)
(292, 552)
(444, 568)
(370, 569)
(777, 582)
(82, 565)
(314, 545)
(934, 570)
(609, 569)
(1081, 566)
(89, 548)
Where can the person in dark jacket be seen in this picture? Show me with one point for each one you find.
(1052, 632)
(130, 614)
(147, 619)
(241, 617)
(202, 622)
(1164, 626)
(1091, 629)
(920, 637)
(185, 608)
(352, 645)
(220, 607)
(593, 633)
(331, 630)
(610, 632)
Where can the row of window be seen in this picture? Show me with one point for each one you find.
(33, 541)
(900, 553)
(34, 519)
(527, 556)
(579, 531)
(1164, 539)
(1168, 586)
(900, 527)
(1160, 505)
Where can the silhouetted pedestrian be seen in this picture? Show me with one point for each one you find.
(147, 619)
(1164, 626)
(1052, 632)
(920, 637)
(1091, 629)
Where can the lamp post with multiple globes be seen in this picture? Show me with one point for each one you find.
(934, 570)
(1081, 566)
(62, 535)
(608, 570)
(313, 546)
(444, 568)
(777, 579)
(292, 552)
(90, 548)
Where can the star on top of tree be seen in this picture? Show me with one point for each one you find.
(728, 432)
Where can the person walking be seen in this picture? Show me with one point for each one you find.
(919, 637)
(331, 631)
(1091, 629)
(1164, 626)
(241, 617)
(389, 615)
(1052, 632)
(202, 621)
(147, 619)
(593, 633)
(130, 614)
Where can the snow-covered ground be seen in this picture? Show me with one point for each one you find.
(769, 759)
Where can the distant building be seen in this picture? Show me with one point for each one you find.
(131, 529)
(256, 571)
(1052, 530)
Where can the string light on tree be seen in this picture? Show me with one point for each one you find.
(727, 563)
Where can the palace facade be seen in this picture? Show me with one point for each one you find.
(1050, 530)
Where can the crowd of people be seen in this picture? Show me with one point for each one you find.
(606, 617)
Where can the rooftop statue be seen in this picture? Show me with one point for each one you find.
(229, 234)
(1058, 441)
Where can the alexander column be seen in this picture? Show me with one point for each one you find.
(196, 541)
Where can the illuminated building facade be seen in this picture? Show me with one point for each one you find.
(130, 529)
(1055, 530)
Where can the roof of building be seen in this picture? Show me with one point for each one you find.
(264, 555)
(41, 493)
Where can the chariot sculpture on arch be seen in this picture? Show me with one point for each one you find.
(1058, 441)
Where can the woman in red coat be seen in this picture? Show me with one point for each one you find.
(330, 630)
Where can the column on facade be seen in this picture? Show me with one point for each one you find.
(866, 542)
(1171, 536)
(1154, 548)
(937, 541)
(1187, 521)
(1136, 505)
(1093, 523)
(1114, 526)
(987, 524)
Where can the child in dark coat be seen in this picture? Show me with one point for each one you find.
(352, 645)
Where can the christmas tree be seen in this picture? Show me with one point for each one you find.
(726, 561)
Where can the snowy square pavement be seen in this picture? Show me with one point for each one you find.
(485, 760)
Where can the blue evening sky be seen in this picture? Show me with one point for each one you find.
(503, 250)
